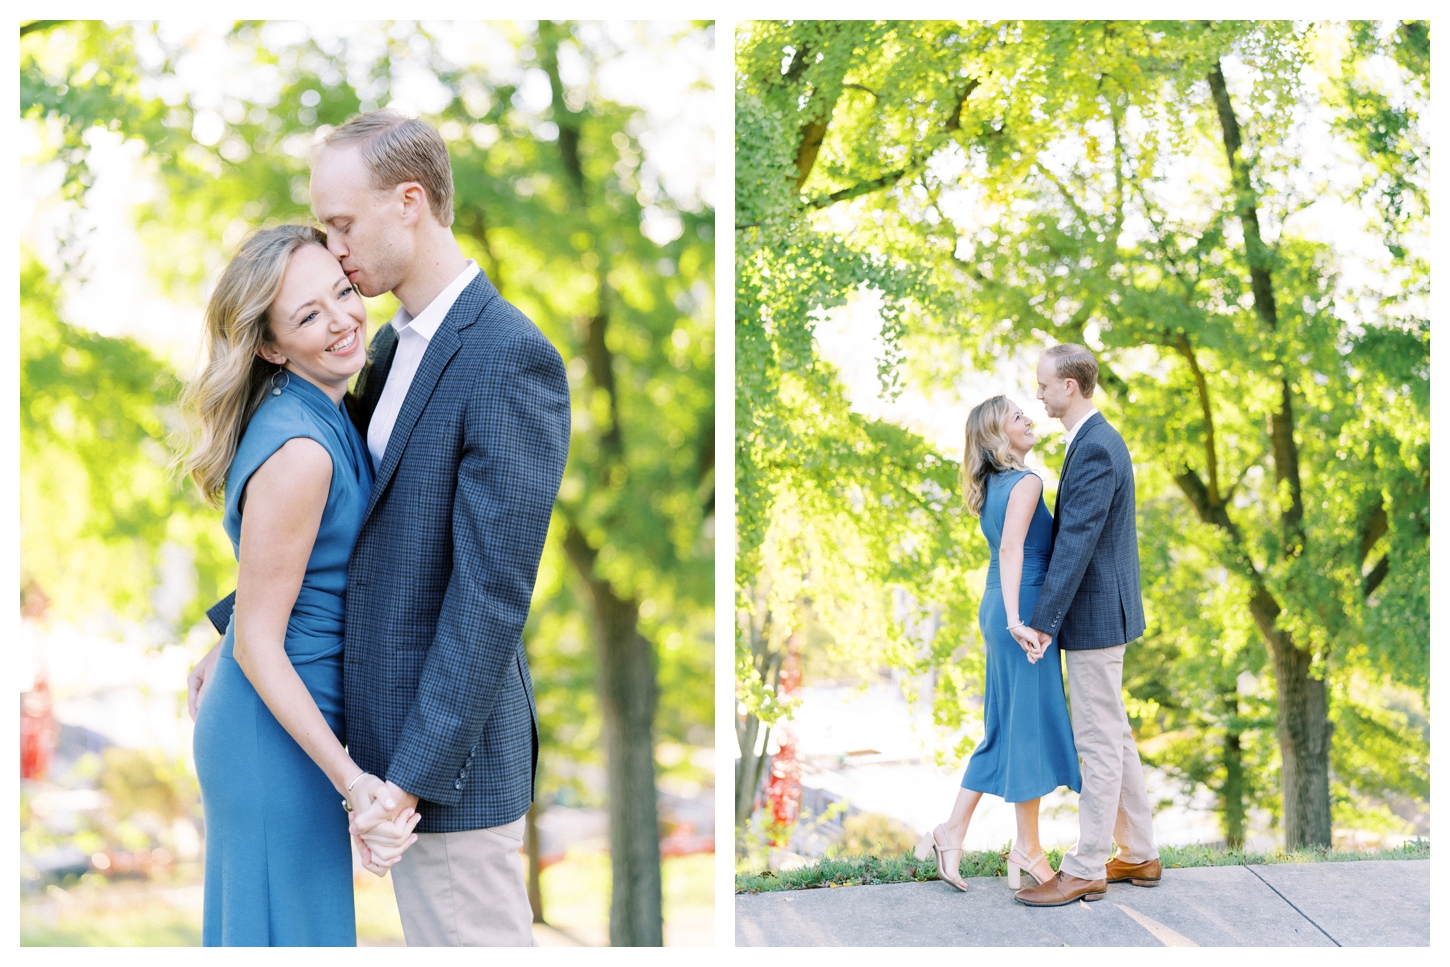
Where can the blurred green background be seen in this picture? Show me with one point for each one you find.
(583, 165)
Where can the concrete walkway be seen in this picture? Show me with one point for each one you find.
(1384, 903)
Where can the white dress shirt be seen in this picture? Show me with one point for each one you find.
(1071, 434)
(413, 338)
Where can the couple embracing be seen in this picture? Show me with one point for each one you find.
(1065, 582)
(371, 680)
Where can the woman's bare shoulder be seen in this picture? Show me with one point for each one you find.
(301, 467)
(1029, 484)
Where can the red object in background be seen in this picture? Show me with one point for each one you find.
(38, 731)
(783, 788)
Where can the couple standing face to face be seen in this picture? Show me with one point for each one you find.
(1061, 396)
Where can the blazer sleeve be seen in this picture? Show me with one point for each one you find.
(516, 441)
(220, 614)
(1080, 521)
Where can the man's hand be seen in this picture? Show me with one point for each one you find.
(387, 805)
(196, 681)
(382, 846)
(1043, 640)
(382, 823)
(1029, 640)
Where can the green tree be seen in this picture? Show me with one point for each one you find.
(1134, 186)
(97, 509)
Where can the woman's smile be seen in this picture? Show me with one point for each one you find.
(345, 345)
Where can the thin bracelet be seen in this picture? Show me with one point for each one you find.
(1020, 624)
(347, 806)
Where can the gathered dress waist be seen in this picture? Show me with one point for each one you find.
(315, 629)
(1034, 571)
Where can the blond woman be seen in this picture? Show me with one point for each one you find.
(275, 447)
(1027, 750)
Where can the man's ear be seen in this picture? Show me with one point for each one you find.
(414, 199)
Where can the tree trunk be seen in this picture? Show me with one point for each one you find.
(627, 699)
(750, 768)
(1304, 728)
(531, 846)
(1231, 796)
(626, 683)
(1304, 736)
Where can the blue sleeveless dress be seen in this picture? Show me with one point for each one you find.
(278, 856)
(1027, 750)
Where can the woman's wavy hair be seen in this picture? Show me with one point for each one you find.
(221, 400)
(988, 450)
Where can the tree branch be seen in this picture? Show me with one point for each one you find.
(1376, 576)
(1246, 204)
(863, 188)
(1263, 607)
(1281, 421)
(597, 353)
(38, 25)
(1078, 210)
(951, 123)
(1185, 349)
(1375, 527)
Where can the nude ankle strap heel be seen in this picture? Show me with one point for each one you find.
(948, 861)
(1037, 867)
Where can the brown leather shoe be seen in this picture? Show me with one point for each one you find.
(1138, 874)
(1062, 890)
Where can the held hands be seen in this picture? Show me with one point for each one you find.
(382, 823)
(1033, 642)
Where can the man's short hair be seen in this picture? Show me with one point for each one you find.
(397, 149)
(1078, 363)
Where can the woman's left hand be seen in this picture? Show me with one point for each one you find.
(1031, 642)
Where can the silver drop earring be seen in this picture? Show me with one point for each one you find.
(276, 390)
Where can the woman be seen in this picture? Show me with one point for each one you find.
(1027, 750)
(284, 333)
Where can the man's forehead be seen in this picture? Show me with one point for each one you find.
(337, 176)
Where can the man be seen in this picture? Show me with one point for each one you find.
(465, 409)
(1092, 603)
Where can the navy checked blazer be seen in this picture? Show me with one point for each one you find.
(1091, 596)
(438, 694)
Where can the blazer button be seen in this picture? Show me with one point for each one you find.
(458, 784)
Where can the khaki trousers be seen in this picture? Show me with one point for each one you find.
(465, 889)
(1113, 806)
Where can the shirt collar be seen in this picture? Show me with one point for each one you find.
(1072, 434)
(428, 321)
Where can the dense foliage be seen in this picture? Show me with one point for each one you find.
(1158, 191)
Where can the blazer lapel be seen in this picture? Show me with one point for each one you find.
(467, 309)
(1067, 462)
(441, 347)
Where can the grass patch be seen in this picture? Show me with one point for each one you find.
(905, 868)
(1183, 857)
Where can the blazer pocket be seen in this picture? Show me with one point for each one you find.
(407, 667)
(1092, 581)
